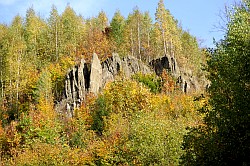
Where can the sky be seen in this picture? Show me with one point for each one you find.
(199, 17)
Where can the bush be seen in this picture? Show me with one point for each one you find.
(152, 81)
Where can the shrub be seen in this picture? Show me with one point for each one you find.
(152, 81)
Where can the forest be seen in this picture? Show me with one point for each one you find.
(143, 120)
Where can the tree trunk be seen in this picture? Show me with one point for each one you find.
(164, 42)
(18, 80)
(1, 79)
(132, 43)
(139, 40)
(56, 43)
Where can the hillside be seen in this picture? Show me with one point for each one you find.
(36, 53)
(125, 91)
(51, 103)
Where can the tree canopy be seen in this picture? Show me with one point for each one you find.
(224, 137)
(142, 120)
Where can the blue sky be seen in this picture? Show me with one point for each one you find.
(197, 16)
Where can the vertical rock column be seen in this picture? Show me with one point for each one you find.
(95, 75)
(81, 81)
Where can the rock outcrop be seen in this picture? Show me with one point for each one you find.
(128, 66)
(185, 81)
(167, 63)
(95, 75)
(91, 78)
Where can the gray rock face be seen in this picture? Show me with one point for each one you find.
(185, 79)
(74, 91)
(81, 80)
(85, 78)
(128, 66)
(95, 75)
(167, 63)
(135, 66)
(110, 68)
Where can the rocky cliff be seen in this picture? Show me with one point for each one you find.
(91, 78)
(186, 81)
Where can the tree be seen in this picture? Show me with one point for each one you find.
(133, 32)
(72, 27)
(44, 96)
(102, 21)
(35, 37)
(15, 53)
(97, 35)
(160, 16)
(3, 40)
(168, 28)
(190, 55)
(156, 41)
(129, 35)
(147, 27)
(138, 16)
(54, 34)
(224, 137)
(117, 30)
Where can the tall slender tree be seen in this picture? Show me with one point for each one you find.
(147, 27)
(168, 28)
(35, 31)
(117, 30)
(15, 63)
(3, 52)
(72, 26)
(54, 34)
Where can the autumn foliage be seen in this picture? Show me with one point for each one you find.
(133, 121)
(126, 124)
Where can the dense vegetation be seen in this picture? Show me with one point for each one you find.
(224, 137)
(137, 121)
